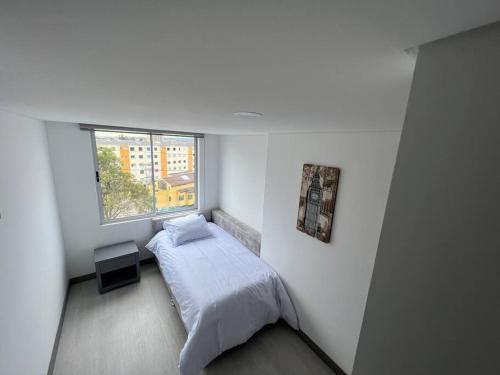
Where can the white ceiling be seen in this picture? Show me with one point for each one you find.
(308, 65)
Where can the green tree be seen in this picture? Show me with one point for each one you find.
(121, 195)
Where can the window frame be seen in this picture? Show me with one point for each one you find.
(154, 212)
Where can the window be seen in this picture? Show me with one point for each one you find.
(140, 148)
(126, 192)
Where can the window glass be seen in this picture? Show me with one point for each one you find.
(154, 187)
(124, 193)
(177, 181)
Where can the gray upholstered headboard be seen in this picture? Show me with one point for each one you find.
(248, 236)
(242, 232)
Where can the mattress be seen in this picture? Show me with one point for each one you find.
(225, 294)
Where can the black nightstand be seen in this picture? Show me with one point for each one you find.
(116, 265)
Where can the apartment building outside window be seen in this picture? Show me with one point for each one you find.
(127, 191)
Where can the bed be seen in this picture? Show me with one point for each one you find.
(222, 290)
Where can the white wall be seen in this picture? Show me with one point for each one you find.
(434, 302)
(242, 177)
(72, 161)
(33, 278)
(328, 283)
(209, 172)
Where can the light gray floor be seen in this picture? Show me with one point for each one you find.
(134, 330)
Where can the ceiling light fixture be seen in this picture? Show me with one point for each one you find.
(248, 114)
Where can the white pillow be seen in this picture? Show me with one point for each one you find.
(153, 244)
(180, 220)
(188, 228)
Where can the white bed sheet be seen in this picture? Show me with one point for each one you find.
(225, 294)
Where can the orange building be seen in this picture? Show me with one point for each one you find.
(125, 158)
(190, 159)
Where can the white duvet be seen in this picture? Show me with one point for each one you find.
(225, 294)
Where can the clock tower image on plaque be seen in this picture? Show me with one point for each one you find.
(317, 200)
(313, 205)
